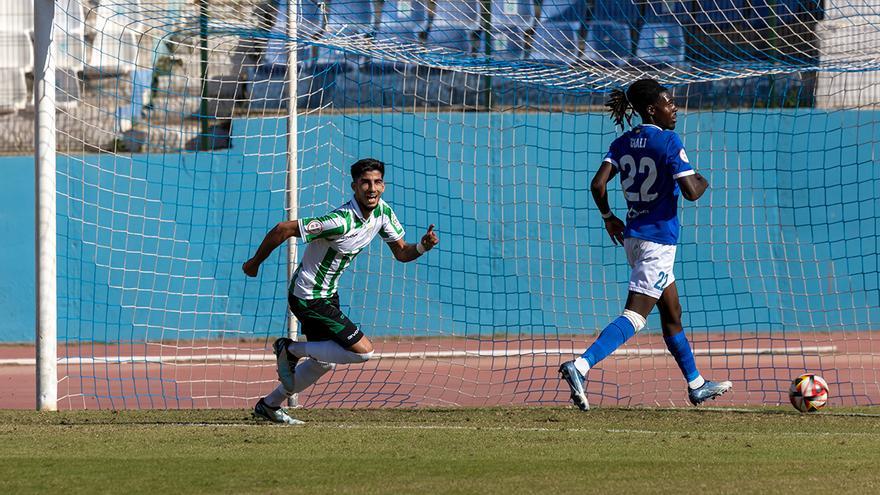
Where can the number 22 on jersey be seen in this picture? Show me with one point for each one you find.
(638, 192)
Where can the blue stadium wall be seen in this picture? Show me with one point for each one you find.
(787, 238)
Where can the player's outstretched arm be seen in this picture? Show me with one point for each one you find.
(407, 252)
(599, 187)
(273, 239)
(693, 186)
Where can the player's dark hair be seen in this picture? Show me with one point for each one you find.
(366, 165)
(636, 98)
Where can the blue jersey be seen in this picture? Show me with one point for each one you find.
(649, 161)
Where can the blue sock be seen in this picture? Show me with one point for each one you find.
(681, 350)
(614, 335)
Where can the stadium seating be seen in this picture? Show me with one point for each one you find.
(509, 42)
(722, 14)
(114, 50)
(512, 24)
(13, 92)
(404, 21)
(16, 53)
(456, 25)
(513, 12)
(16, 49)
(317, 66)
(770, 13)
(608, 41)
(661, 42)
(17, 16)
(310, 19)
(455, 12)
(70, 34)
(564, 11)
(68, 88)
(668, 12)
(559, 43)
(351, 18)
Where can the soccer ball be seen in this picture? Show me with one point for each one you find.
(808, 393)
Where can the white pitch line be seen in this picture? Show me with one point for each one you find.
(516, 429)
(234, 357)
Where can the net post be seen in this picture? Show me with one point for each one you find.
(44, 167)
(292, 198)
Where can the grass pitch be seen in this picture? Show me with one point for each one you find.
(528, 450)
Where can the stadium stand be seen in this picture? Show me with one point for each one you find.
(16, 26)
(454, 24)
(114, 50)
(661, 37)
(513, 24)
(608, 42)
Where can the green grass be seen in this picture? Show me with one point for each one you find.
(529, 450)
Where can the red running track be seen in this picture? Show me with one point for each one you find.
(234, 374)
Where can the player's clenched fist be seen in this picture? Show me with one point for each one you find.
(430, 239)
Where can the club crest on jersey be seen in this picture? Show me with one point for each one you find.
(683, 156)
(314, 227)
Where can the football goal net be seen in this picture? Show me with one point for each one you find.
(172, 134)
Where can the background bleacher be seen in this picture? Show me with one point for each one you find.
(106, 50)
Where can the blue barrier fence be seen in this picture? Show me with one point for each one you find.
(786, 239)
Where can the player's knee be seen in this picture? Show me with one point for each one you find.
(638, 321)
(363, 346)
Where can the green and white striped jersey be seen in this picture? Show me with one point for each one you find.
(334, 241)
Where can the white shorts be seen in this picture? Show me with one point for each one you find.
(651, 266)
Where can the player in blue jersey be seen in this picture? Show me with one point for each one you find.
(654, 170)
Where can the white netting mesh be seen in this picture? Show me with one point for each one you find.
(488, 113)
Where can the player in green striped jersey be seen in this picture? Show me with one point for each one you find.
(334, 240)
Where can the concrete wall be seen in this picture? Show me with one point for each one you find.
(150, 246)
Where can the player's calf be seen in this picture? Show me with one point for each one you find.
(329, 351)
(285, 362)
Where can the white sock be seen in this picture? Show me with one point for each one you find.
(327, 351)
(582, 365)
(696, 382)
(307, 373)
(277, 397)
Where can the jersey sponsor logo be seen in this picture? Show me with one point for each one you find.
(683, 156)
(633, 213)
(314, 227)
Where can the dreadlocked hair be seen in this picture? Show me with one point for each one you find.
(636, 98)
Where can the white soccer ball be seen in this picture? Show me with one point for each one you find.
(808, 393)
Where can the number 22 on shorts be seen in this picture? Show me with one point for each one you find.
(661, 281)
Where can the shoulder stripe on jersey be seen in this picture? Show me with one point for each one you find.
(684, 174)
(398, 229)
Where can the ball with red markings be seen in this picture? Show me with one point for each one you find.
(808, 393)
